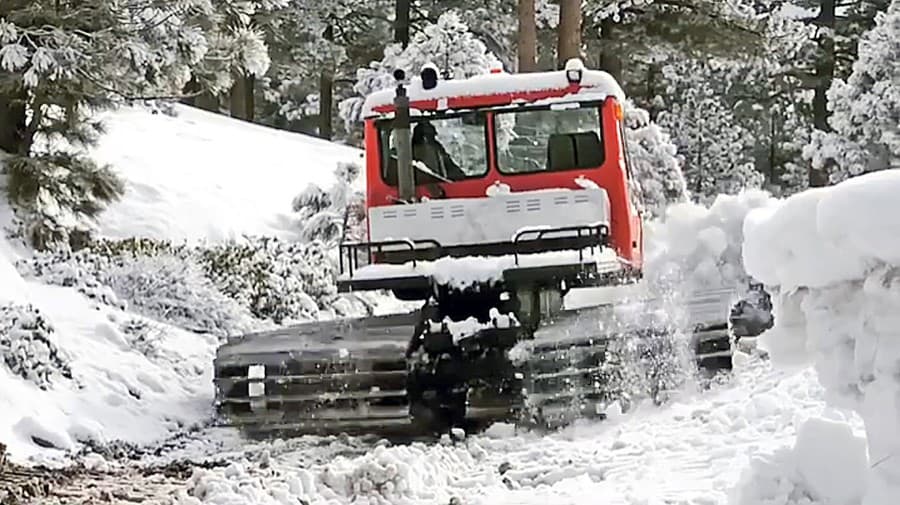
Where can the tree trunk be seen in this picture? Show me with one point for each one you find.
(192, 91)
(401, 22)
(326, 91)
(610, 55)
(236, 96)
(568, 43)
(250, 97)
(326, 83)
(824, 78)
(241, 96)
(526, 42)
(200, 98)
(12, 122)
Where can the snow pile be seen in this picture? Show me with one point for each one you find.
(203, 176)
(701, 246)
(404, 474)
(833, 254)
(825, 467)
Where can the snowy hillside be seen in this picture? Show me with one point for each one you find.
(122, 350)
(204, 176)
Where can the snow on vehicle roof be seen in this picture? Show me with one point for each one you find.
(594, 83)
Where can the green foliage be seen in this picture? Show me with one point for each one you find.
(26, 346)
(215, 288)
(58, 194)
(276, 280)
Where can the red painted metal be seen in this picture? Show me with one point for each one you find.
(626, 225)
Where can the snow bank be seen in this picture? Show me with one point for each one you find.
(827, 235)
(204, 176)
(833, 254)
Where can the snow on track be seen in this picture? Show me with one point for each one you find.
(689, 452)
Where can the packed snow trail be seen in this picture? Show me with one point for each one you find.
(689, 452)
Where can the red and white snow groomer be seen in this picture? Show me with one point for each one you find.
(488, 199)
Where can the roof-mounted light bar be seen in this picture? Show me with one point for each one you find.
(574, 70)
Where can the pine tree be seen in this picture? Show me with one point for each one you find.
(716, 149)
(656, 169)
(865, 108)
(316, 48)
(448, 44)
(62, 62)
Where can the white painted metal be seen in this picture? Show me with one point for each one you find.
(462, 221)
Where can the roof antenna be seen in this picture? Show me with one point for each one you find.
(446, 72)
(406, 183)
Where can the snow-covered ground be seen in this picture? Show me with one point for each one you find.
(110, 374)
(692, 451)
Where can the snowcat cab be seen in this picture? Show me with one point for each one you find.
(488, 200)
(529, 166)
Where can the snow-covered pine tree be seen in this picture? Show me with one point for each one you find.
(716, 149)
(335, 215)
(239, 35)
(866, 107)
(654, 162)
(62, 62)
(448, 44)
(315, 48)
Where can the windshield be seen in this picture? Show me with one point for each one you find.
(443, 148)
(549, 140)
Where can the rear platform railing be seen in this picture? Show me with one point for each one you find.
(353, 250)
(525, 241)
(586, 237)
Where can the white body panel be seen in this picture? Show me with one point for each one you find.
(462, 221)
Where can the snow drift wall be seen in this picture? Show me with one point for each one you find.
(833, 257)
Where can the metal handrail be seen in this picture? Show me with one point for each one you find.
(353, 249)
(599, 230)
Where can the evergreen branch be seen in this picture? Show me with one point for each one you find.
(135, 98)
